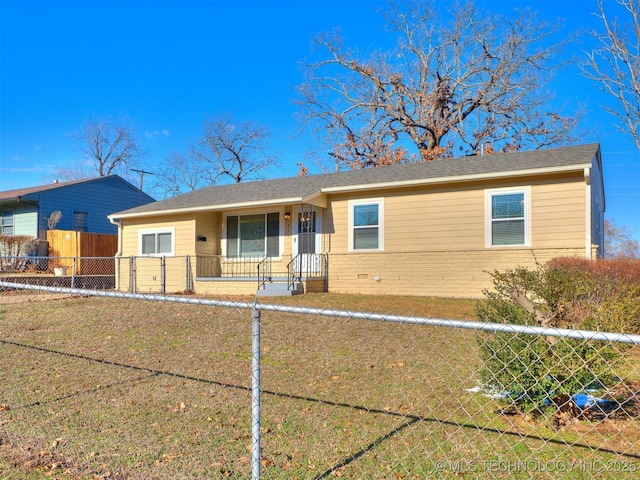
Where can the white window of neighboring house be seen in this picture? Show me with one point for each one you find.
(508, 214)
(6, 223)
(80, 221)
(157, 242)
(254, 235)
(366, 225)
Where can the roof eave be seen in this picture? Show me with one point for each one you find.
(207, 208)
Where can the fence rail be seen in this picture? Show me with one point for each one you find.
(159, 274)
(166, 386)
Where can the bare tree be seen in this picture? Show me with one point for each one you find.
(74, 170)
(618, 242)
(180, 174)
(227, 151)
(458, 82)
(237, 151)
(615, 65)
(110, 147)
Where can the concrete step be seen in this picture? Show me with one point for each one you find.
(276, 289)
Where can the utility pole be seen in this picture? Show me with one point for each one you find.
(141, 172)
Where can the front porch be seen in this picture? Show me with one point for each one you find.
(266, 276)
(221, 275)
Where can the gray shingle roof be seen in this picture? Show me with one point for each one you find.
(20, 192)
(283, 189)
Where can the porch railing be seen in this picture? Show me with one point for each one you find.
(306, 265)
(231, 267)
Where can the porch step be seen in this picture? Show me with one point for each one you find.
(279, 290)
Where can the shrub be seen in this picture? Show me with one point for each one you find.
(17, 245)
(534, 372)
(12, 247)
(599, 294)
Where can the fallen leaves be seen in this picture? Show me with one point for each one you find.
(179, 408)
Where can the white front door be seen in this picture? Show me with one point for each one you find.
(306, 240)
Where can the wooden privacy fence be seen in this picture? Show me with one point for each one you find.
(68, 245)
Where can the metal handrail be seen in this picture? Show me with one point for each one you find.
(291, 274)
(266, 271)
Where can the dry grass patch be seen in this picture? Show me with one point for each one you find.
(158, 390)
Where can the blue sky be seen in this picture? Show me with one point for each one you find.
(165, 67)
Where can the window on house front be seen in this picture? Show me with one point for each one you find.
(508, 217)
(80, 221)
(160, 242)
(366, 225)
(253, 235)
(6, 223)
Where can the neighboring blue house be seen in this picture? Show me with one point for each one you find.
(84, 204)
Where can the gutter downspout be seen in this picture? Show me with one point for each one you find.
(118, 254)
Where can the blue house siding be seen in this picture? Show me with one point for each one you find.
(97, 198)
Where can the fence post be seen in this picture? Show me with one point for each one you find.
(163, 274)
(255, 393)
(74, 271)
(188, 286)
(132, 274)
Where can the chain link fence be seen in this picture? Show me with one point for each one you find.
(103, 384)
(70, 272)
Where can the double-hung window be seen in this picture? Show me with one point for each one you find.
(6, 223)
(254, 235)
(508, 213)
(365, 230)
(157, 242)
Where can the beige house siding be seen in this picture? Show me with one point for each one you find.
(148, 273)
(443, 273)
(184, 227)
(558, 212)
(222, 287)
(208, 227)
(453, 219)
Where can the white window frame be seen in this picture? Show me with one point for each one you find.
(368, 201)
(281, 240)
(156, 232)
(7, 221)
(489, 194)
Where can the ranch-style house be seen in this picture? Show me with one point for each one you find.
(432, 229)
